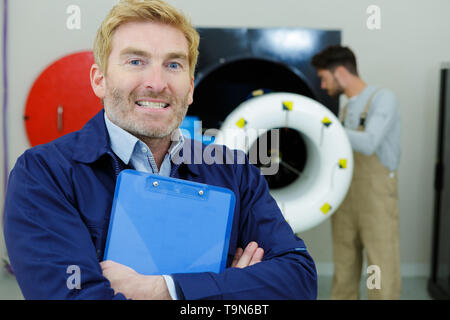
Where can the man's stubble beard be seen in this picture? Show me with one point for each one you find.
(120, 114)
(338, 89)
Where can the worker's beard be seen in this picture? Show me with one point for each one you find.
(337, 89)
(122, 112)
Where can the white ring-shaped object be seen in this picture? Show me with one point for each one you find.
(326, 177)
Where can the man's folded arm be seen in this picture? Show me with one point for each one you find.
(287, 270)
(50, 248)
(289, 276)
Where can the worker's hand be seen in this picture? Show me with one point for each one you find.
(134, 285)
(248, 257)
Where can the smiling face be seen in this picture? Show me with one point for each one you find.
(147, 87)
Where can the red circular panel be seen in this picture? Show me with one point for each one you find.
(61, 99)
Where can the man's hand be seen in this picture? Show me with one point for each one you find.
(248, 257)
(134, 285)
(140, 287)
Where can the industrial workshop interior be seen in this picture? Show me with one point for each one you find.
(338, 109)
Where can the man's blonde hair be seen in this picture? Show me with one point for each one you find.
(143, 10)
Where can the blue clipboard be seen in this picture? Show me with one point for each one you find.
(163, 225)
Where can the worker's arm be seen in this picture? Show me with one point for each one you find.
(379, 120)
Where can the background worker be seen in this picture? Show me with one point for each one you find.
(368, 217)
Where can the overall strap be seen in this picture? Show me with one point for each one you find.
(363, 116)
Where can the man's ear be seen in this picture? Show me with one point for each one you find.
(98, 81)
(191, 92)
(340, 72)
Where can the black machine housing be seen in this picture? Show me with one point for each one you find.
(234, 62)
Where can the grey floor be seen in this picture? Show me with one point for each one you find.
(412, 288)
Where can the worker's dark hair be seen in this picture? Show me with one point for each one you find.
(334, 56)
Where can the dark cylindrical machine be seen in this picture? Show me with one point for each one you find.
(235, 62)
(237, 65)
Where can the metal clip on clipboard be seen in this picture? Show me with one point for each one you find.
(198, 192)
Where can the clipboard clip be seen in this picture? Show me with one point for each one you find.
(183, 189)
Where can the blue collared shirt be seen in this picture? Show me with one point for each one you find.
(132, 151)
(136, 153)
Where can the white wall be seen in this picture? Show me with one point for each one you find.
(404, 55)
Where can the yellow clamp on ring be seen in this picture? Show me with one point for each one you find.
(288, 105)
(343, 163)
(326, 121)
(241, 123)
(258, 92)
(325, 208)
